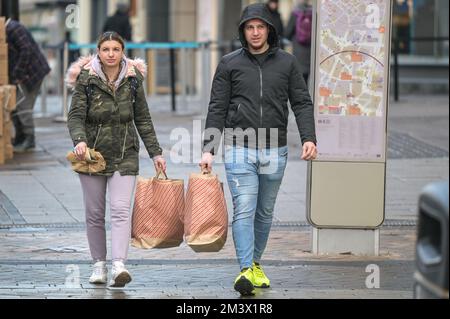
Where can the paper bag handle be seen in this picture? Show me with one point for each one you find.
(161, 172)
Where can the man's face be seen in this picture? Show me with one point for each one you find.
(256, 33)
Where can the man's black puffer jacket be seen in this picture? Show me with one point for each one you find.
(248, 95)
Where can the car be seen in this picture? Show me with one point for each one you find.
(432, 246)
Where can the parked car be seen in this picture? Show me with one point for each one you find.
(431, 276)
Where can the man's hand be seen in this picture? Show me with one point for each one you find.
(160, 163)
(309, 151)
(206, 162)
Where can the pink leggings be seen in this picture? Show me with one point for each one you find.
(121, 190)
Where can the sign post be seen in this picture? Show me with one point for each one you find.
(346, 184)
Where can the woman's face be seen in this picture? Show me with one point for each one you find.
(110, 53)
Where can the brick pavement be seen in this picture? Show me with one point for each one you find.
(56, 264)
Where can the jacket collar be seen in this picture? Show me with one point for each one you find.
(133, 67)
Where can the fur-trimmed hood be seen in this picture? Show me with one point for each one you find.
(86, 63)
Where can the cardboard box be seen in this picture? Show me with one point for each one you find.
(9, 94)
(4, 69)
(3, 51)
(12, 98)
(9, 152)
(8, 148)
(2, 112)
(2, 151)
(4, 80)
(2, 30)
(7, 127)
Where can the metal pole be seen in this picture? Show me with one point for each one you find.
(183, 76)
(206, 76)
(65, 110)
(144, 57)
(396, 70)
(59, 67)
(172, 79)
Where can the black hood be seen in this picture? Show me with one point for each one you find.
(258, 11)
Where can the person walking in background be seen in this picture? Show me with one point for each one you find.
(120, 22)
(27, 70)
(249, 97)
(108, 111)
(273, 6)
(298, 31)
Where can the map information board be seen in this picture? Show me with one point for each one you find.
(352, 79)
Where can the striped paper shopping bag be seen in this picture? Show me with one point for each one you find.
(157, 213)
(205, 214)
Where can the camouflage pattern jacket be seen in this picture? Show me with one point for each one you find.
(110, 121)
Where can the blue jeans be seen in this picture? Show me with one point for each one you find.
(254, 178)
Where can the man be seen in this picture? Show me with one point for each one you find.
(27, 69)
(120, 22)
(273, 5)
(250, 93)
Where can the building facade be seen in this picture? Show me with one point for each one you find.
(421, 27)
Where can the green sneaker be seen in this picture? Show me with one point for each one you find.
(244, 282)
(260, 279)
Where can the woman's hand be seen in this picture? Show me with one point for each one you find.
(206, 162)
(160, 163)
(80, 151)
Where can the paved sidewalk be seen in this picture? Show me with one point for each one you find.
(55, 264)
(43, 244)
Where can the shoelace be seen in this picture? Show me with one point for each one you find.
(258, 271)
(117, 269)
(98, 271)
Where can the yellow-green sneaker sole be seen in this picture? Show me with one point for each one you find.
(263, 286)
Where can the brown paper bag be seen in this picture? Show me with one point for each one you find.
(157, 213)
(93, 163)
(205, 214)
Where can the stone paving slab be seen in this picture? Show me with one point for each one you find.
(47, 264)
(290, 244)
(204, 280)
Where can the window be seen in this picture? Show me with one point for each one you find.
(418, 24)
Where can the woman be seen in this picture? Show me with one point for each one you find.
(108, 110)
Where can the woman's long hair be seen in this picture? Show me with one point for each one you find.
(110, 36)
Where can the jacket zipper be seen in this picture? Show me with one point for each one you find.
(98, 135)
(261, 96)
(125, 141)
(135, 133)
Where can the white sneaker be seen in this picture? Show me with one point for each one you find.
(120, 275)
(99, 274)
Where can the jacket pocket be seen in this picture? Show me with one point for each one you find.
(286, 115)
(235, 116)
